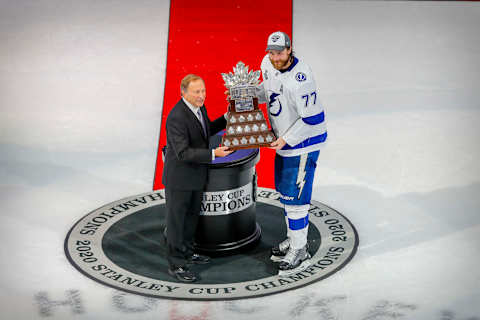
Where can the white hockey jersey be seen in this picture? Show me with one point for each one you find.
(294, 109)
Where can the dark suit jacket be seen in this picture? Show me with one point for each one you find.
(187, 153)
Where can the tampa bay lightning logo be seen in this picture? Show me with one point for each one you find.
(274, 105)
(300, 76)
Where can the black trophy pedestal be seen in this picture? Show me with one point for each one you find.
(227, 222)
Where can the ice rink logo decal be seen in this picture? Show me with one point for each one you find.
(121, 245)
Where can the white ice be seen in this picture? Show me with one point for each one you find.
(81, 91)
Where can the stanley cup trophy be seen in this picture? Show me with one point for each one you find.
(246, 125)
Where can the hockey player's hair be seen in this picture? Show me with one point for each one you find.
(186, 81)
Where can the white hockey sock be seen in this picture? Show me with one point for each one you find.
(286, 223)
(297, 225)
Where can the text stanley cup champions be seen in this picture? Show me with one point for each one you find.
(246, 124)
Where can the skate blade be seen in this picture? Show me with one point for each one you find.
(276, 258)
(286, 273)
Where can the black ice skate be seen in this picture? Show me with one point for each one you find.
(280, 250)
(296, 260)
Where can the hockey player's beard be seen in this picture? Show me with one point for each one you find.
(280, 65)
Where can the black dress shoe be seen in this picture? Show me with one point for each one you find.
(182, 274)
(198, 259)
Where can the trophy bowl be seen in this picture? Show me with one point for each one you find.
(247, 127)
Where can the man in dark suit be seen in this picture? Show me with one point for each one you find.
(185, 173)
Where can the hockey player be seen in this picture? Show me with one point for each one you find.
(298, 121)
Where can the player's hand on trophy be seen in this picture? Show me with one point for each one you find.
(222, 152)
(278, 144)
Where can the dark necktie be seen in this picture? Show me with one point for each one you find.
(200, 118)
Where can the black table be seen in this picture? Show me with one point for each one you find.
(227, 222)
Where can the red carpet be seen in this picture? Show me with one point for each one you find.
(209, 37)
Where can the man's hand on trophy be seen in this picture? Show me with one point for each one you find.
(278, 144)
(222, 152)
